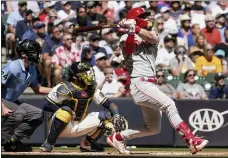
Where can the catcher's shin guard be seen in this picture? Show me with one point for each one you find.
(62, 118)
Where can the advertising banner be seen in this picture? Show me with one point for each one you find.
(206, 118)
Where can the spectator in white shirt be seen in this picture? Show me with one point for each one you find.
(165, 54)
(159, 27)
(33, 5)
(110, 87)
(168, 22)
(220, 8)
(101, 63)
(66, 13)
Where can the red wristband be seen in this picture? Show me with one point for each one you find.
(137, 29)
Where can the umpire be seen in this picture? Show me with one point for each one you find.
(20, 119)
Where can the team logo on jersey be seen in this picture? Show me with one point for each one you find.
(54, 95)
(84, 94)
(207, 120)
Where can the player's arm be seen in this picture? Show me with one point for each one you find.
(40, 89)
(129, 44)
(149, 36)
(101, 100)
(54, 99)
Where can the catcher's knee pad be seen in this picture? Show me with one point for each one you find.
(64, 114)
(104, 115)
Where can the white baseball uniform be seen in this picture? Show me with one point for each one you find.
(141, 66)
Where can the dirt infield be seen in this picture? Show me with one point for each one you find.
(172, 152)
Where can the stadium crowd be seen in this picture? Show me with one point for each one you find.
(192, 51)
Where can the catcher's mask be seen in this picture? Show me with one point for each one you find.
(83, 71)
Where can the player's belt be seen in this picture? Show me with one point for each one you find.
(144, 79)
(149, 79)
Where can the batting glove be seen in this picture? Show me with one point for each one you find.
(127, 23)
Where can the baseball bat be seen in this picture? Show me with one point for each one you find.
(92, 28)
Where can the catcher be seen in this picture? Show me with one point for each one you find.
(70, 99)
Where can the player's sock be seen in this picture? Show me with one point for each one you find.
(119, 137)
(56, 128)
(185, 131)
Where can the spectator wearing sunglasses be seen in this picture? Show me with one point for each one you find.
(181, 62)
(52, 16)
(211, 33)
(48, 6)
(219, 90)
(48, 49)
(166, 88)
(37, 33)
(24, 25)
(63, 57)
(208, 63)
(189, 89)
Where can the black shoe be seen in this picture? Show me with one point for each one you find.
(17, 147)
(94, 147)
(46, 147)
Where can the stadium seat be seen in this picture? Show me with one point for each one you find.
(203, 82)
(210, 78)
(174, 81)
(226, 81)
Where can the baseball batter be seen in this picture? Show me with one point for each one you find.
(139, 47)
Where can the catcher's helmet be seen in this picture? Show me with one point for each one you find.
(30, 48)
(138, 14)
(82, 70)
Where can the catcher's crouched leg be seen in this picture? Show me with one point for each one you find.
(88, 143)
(61, 119)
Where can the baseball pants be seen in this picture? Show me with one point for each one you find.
(22, 122)
(76, 129)
(153, 102)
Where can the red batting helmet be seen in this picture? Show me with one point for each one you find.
(138, 14)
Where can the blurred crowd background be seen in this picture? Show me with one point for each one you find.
(192, 51)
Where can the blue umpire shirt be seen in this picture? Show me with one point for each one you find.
(15, 79)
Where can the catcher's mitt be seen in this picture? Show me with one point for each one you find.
(119, 122)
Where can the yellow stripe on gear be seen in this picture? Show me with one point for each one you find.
(63, 115)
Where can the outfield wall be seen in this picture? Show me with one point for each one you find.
(206, 118)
